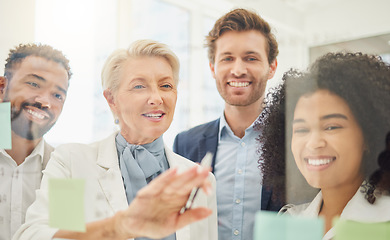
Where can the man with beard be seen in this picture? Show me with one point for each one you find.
(242, 55)
(35, 82)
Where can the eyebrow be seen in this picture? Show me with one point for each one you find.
(246, 53)
(38, 77)
(225, 53)
(164, 78)
(252, 52)
(137, 79)
(44, 80)
(334, 115)
(329, 116)
(299, 120)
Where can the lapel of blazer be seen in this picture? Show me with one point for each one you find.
(174, 161)
(209, 142)
(110, 177)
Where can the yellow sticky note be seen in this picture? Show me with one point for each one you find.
(5, 125)
(66, 204)
(351, 230)
(269, 225)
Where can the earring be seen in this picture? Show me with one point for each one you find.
(116, 121)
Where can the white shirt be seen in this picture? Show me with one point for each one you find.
(357, 209)
(17, 188)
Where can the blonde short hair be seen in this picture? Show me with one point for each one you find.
(140, 48)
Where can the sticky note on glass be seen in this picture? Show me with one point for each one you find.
(66, 204)
(351, 230)
(5, 125)
(269, 225)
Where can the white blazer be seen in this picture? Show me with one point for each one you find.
(98, 164)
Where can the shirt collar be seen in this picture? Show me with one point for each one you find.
(357, 209)
(224, 127)
(314, 207)
(39, 150)
(377, 212)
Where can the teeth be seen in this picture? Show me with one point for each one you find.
(153, 115)
(239, 84)
(35, 114)
(318, 162)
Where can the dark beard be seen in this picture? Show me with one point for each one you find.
(26, 128)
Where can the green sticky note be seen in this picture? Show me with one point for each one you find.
(351, 230)
(269, 225)
(5, 125)
(66, 204)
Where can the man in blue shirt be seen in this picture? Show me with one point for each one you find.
(242, 56)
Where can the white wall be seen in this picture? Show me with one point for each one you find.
(17, 22)
(347, 20)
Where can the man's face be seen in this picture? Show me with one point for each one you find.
(241, 69)
(37, 92)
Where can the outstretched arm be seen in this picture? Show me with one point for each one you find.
(155, 212)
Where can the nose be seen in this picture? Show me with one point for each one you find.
(43, 100)
(239, 68)
(316, 141)
(155, 98)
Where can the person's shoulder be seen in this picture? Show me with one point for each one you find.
(177, 160)
(294, 210)
(84, 146)
(186, 142)
(184, 163)
(202, 128)
(47, 146)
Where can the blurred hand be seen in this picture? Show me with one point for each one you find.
(155, 212)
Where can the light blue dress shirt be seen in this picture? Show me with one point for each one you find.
(238, 183)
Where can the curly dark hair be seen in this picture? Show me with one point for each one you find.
(241, 20)
(16, 56)
(362, 80)
(271, 125)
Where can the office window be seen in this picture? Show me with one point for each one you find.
(168, 24)
(86, 33)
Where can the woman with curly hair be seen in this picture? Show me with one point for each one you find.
(337, 114)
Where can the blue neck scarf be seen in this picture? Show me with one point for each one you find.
(139, 165)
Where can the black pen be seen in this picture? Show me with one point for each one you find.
(206, 162)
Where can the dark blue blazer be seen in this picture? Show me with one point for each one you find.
(196, 142)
